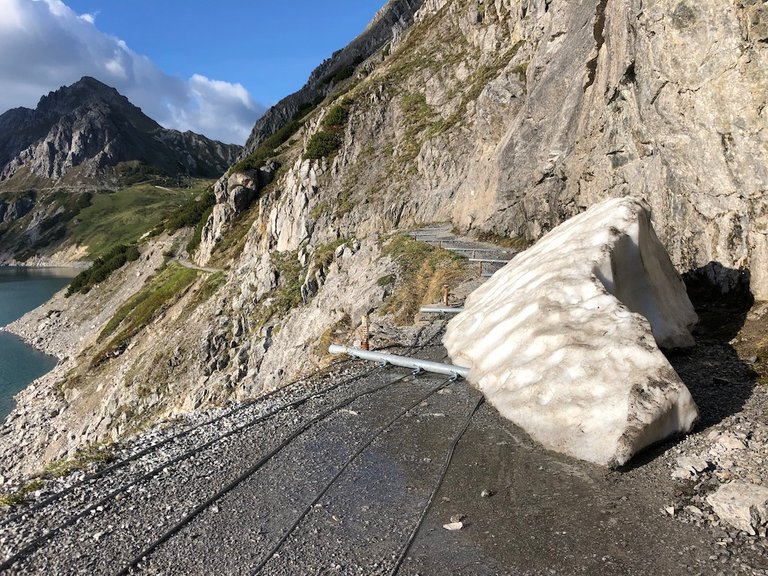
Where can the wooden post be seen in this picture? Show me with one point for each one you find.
(445, 294)
(364, 340)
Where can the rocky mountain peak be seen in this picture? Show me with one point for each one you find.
(89, 94)
(84, 129)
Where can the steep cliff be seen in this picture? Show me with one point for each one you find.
(389, 22)
(502, 116)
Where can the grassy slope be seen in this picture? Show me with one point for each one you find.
(124, 216)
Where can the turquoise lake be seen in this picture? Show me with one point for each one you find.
(22, 290)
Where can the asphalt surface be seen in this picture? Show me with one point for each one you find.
(357, 472)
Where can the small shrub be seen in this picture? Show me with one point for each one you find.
(102, 268)
(322, 144)
(386, 280)
(99, 454)
(338, 115)
(423, 271)
(338, 329)
(329, 138)
(20, 496)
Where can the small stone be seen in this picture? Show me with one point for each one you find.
(731, 442)
(681, 473)
(694, 510)
(670, 510)
(453, 526)
(692, 463)
(486, 494)
(457, 517)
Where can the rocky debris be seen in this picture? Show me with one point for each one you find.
(453, 526)
(742, 505)
(561, 340)
(234, 194)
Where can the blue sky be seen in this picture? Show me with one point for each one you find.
(211, 67)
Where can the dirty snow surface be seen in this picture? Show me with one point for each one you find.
(563, 339)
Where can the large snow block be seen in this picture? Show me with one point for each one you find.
(563, 339)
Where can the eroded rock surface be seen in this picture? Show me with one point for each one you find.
(563, 340)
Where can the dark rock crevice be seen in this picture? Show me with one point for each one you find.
(599, 36)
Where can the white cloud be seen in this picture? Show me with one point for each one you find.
(45, 45)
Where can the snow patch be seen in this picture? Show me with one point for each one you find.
(563, 339)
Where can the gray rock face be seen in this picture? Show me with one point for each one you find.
(15, 209)
(392, 19)
(88, 126)
(665, 100)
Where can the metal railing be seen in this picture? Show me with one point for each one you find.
(415, 364)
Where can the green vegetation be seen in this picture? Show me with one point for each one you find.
(124, 216)
(102, 267)
(418, 117)
(209, 287)
(99, 453)
(337, 330)
(268, 148)
(191, 212)
(20, 496)
(386, 280)
(287, 295)
(234, 241)
(163, 289)
(322, 144)
(323, 255)
(423, 271)
(329, 138)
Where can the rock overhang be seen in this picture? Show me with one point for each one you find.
(564, 340)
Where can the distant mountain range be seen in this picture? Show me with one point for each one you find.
(83, 132)
(87, 168)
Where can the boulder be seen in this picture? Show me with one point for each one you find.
(564, 339)
(742, 505)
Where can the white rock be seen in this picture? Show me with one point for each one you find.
(731, 442)
(561, 340)
(692, 463)
(742, 505)
(681, 473)
(453, 526)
